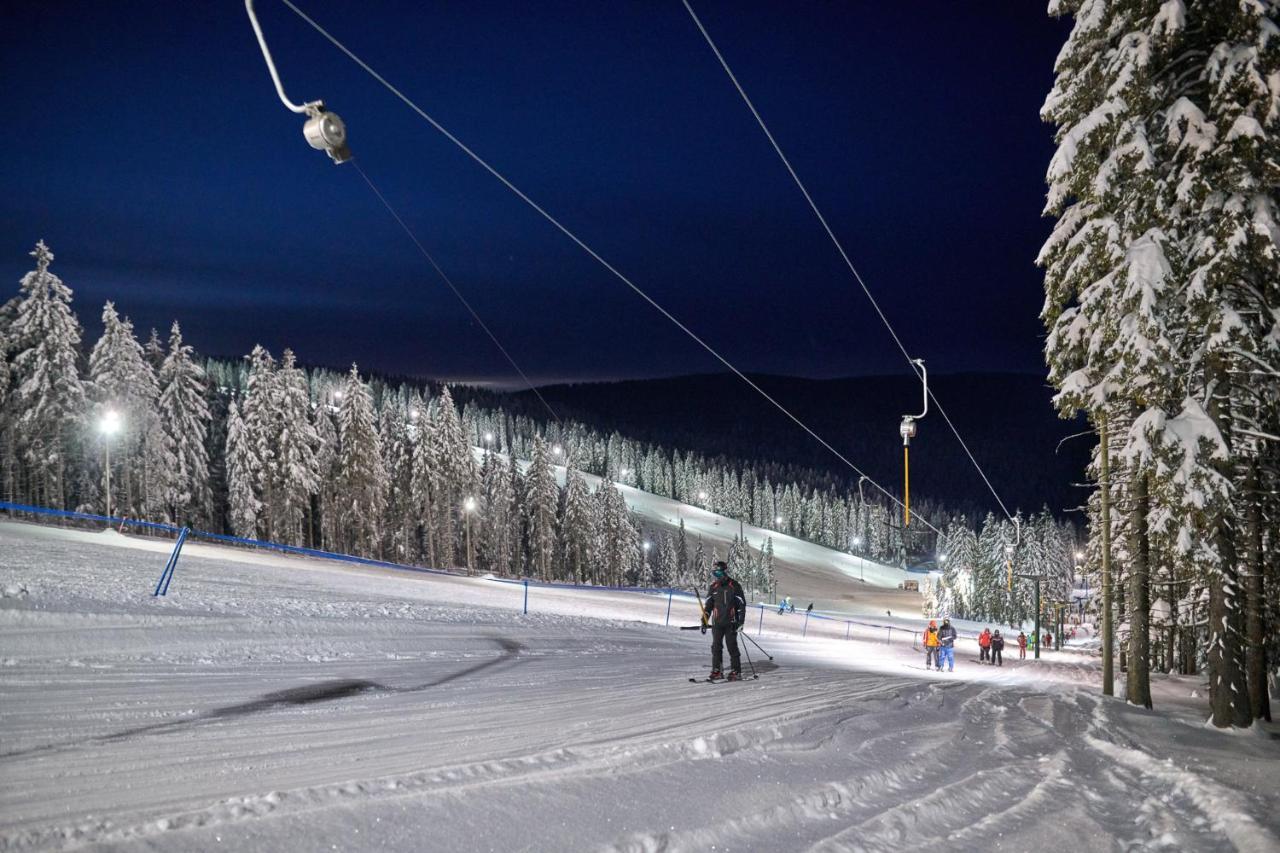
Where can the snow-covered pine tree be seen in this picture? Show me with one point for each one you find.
(46, 403)
(326, 433)
(185, 420)
(154, 350)
(541, 500)
(699, 567)
(578, 530)
(259, 410)
(121, 380)
(295, 472)
(767, 576)
(242, 503)
(1167, 118)
(1233, 237)
(682, 577)
(500, 537)
(664, 564)
(362, 480)
(397, 458)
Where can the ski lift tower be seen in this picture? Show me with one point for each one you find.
(907, 429)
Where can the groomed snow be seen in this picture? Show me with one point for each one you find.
(273, 703)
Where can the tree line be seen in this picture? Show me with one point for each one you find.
(1162, 285)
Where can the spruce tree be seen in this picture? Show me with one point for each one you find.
(242, 472)
(294, 471)
(121, 380)
(184, 418)
(362, 479)
(47, 398)
(540, 502)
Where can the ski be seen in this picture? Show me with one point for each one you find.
(719, 680)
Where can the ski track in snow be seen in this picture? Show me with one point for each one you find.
(275, 703)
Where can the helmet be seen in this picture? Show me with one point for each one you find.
(933, 623)
(721, 569)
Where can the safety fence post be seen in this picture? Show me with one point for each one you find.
(889, 639)
(848, 626)
(760, 627)
(805, 631)
(526, 596)
(166, 577)
(670, 593)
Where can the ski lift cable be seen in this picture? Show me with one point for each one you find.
(608, 266)
(840, 248)
(475, 316)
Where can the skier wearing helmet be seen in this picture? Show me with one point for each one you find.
(725, 610)
(931, 645)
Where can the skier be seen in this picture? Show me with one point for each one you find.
(931, 645)
(997, 648)
(1022, 646)
(984, 645)
(947, 645)
(725, 610)
(791, 607)
(782, 605)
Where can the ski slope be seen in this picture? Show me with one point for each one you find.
(832, 580)
(275, 703)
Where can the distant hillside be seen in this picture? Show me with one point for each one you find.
(1006, 419)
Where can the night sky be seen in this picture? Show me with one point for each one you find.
(146, 145)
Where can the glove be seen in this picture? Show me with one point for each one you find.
(704, 629)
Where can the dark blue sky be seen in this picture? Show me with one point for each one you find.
(148, 147)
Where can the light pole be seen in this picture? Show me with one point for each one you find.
(862, 562)
(108, 426)
(468, 507)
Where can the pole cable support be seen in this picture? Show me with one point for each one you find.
(839, 247)
(456, 292)
(592, 252)
(907, 429)
(323, 130)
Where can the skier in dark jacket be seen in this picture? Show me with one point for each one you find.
(947, 646)
(725, 610)
(997, 648)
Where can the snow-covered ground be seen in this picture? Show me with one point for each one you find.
(274, 703)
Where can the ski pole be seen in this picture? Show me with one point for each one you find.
(758, 646)
(747, 649)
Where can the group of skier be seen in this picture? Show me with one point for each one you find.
(940, 645)
(991, 647)
(725, 610)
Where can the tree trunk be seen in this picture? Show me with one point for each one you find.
(1228, 689)
(1139, 675)
(1108, 630)
(1255, 621)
